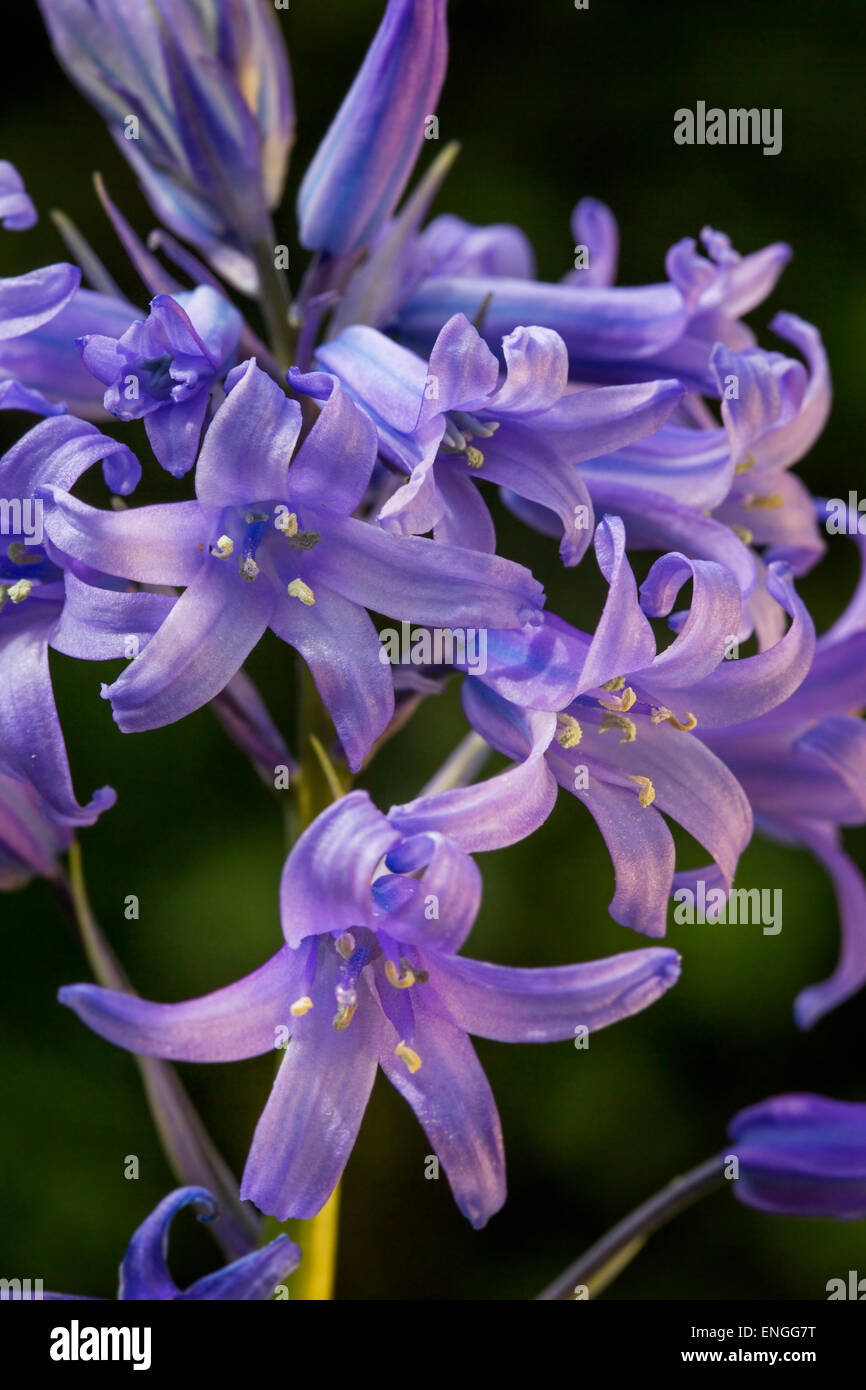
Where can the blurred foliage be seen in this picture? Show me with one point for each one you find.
(550, 104)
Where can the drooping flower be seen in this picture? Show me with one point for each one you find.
(144, 1272)
(162, 369)
(365, 160)
(802, 1155)
(271, 541)
(453, 421)
(198, 97)
(374, 911)
(630, 740)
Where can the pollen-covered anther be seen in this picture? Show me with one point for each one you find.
(299, 590)
(223, 548)
(613, 686)
(770, 501)
(647, 791)
(409, 1056)
(621, 722)
(343, 1017)
(662, 715)
(287, 522)
(623, 704)
(744, 534)
(18, 592)
(249, 568)
(301, 1006)
(748, 462)
(474, 457)
(404, 978)
(345, 944)
(568, 731)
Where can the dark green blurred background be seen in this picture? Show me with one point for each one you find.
(550, 104)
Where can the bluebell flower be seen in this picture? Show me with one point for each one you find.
(629, 740)
(30, 843)
(802, 1155)
(454, 420)
(375, 910)
(162, 369)
(198, 97)
(266, 544)
(144, 1272)
(364, 162)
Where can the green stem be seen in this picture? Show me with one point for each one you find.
(602, 1263)
(274, 303)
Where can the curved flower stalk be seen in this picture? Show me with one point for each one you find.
(374, 914)
(453, 420)
(144, 1272)
(198, 98)
(269, 544)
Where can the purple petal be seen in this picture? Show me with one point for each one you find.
(254, 1276)
(29, 301)
(247, 449)
(160, 544)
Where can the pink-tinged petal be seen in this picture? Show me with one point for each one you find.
(419, 505)
(309, 1125)
(536, 364)
(423, 581)
(241, 1020)
(248, 446)
(200, 646)
(848, 978)
(160, 544)
(29, 301)
(713, 618)
(101, 624)
(466, 521)
(547, 1005)
(526, 461)
(325, 885)
(452, 1099)
(462, 369)
(339, 643)
(336, 460)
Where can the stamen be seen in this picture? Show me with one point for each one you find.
(299, 590)
(249, 568)
(623, 704)
(287, 522)
(647, 790)
(472, 427)
(613, 720)
(404, 979)
(407, 1055)
(661, 714)
(18, 592)
(569, 733)
(301, 1006)
(345, 944)
(616, 684)
(770, 502)
(474, 457)
(748, 462)
(19, 555)
(343, 1017)
(223, 548)
(745, 535)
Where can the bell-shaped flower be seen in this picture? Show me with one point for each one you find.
(375, 910)
(801, 1155)
(271, 541)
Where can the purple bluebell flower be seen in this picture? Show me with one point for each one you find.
(30, 843)
(162, 369)
(374, 910)
(29, 301)
(43, 606)
(144, 1272)
(802, 766)
(614, 334)
(625, 742)
(17, 212)
(802, 1155)
(454, 420)
(268, 544)
(198, 97)
(365, 160)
